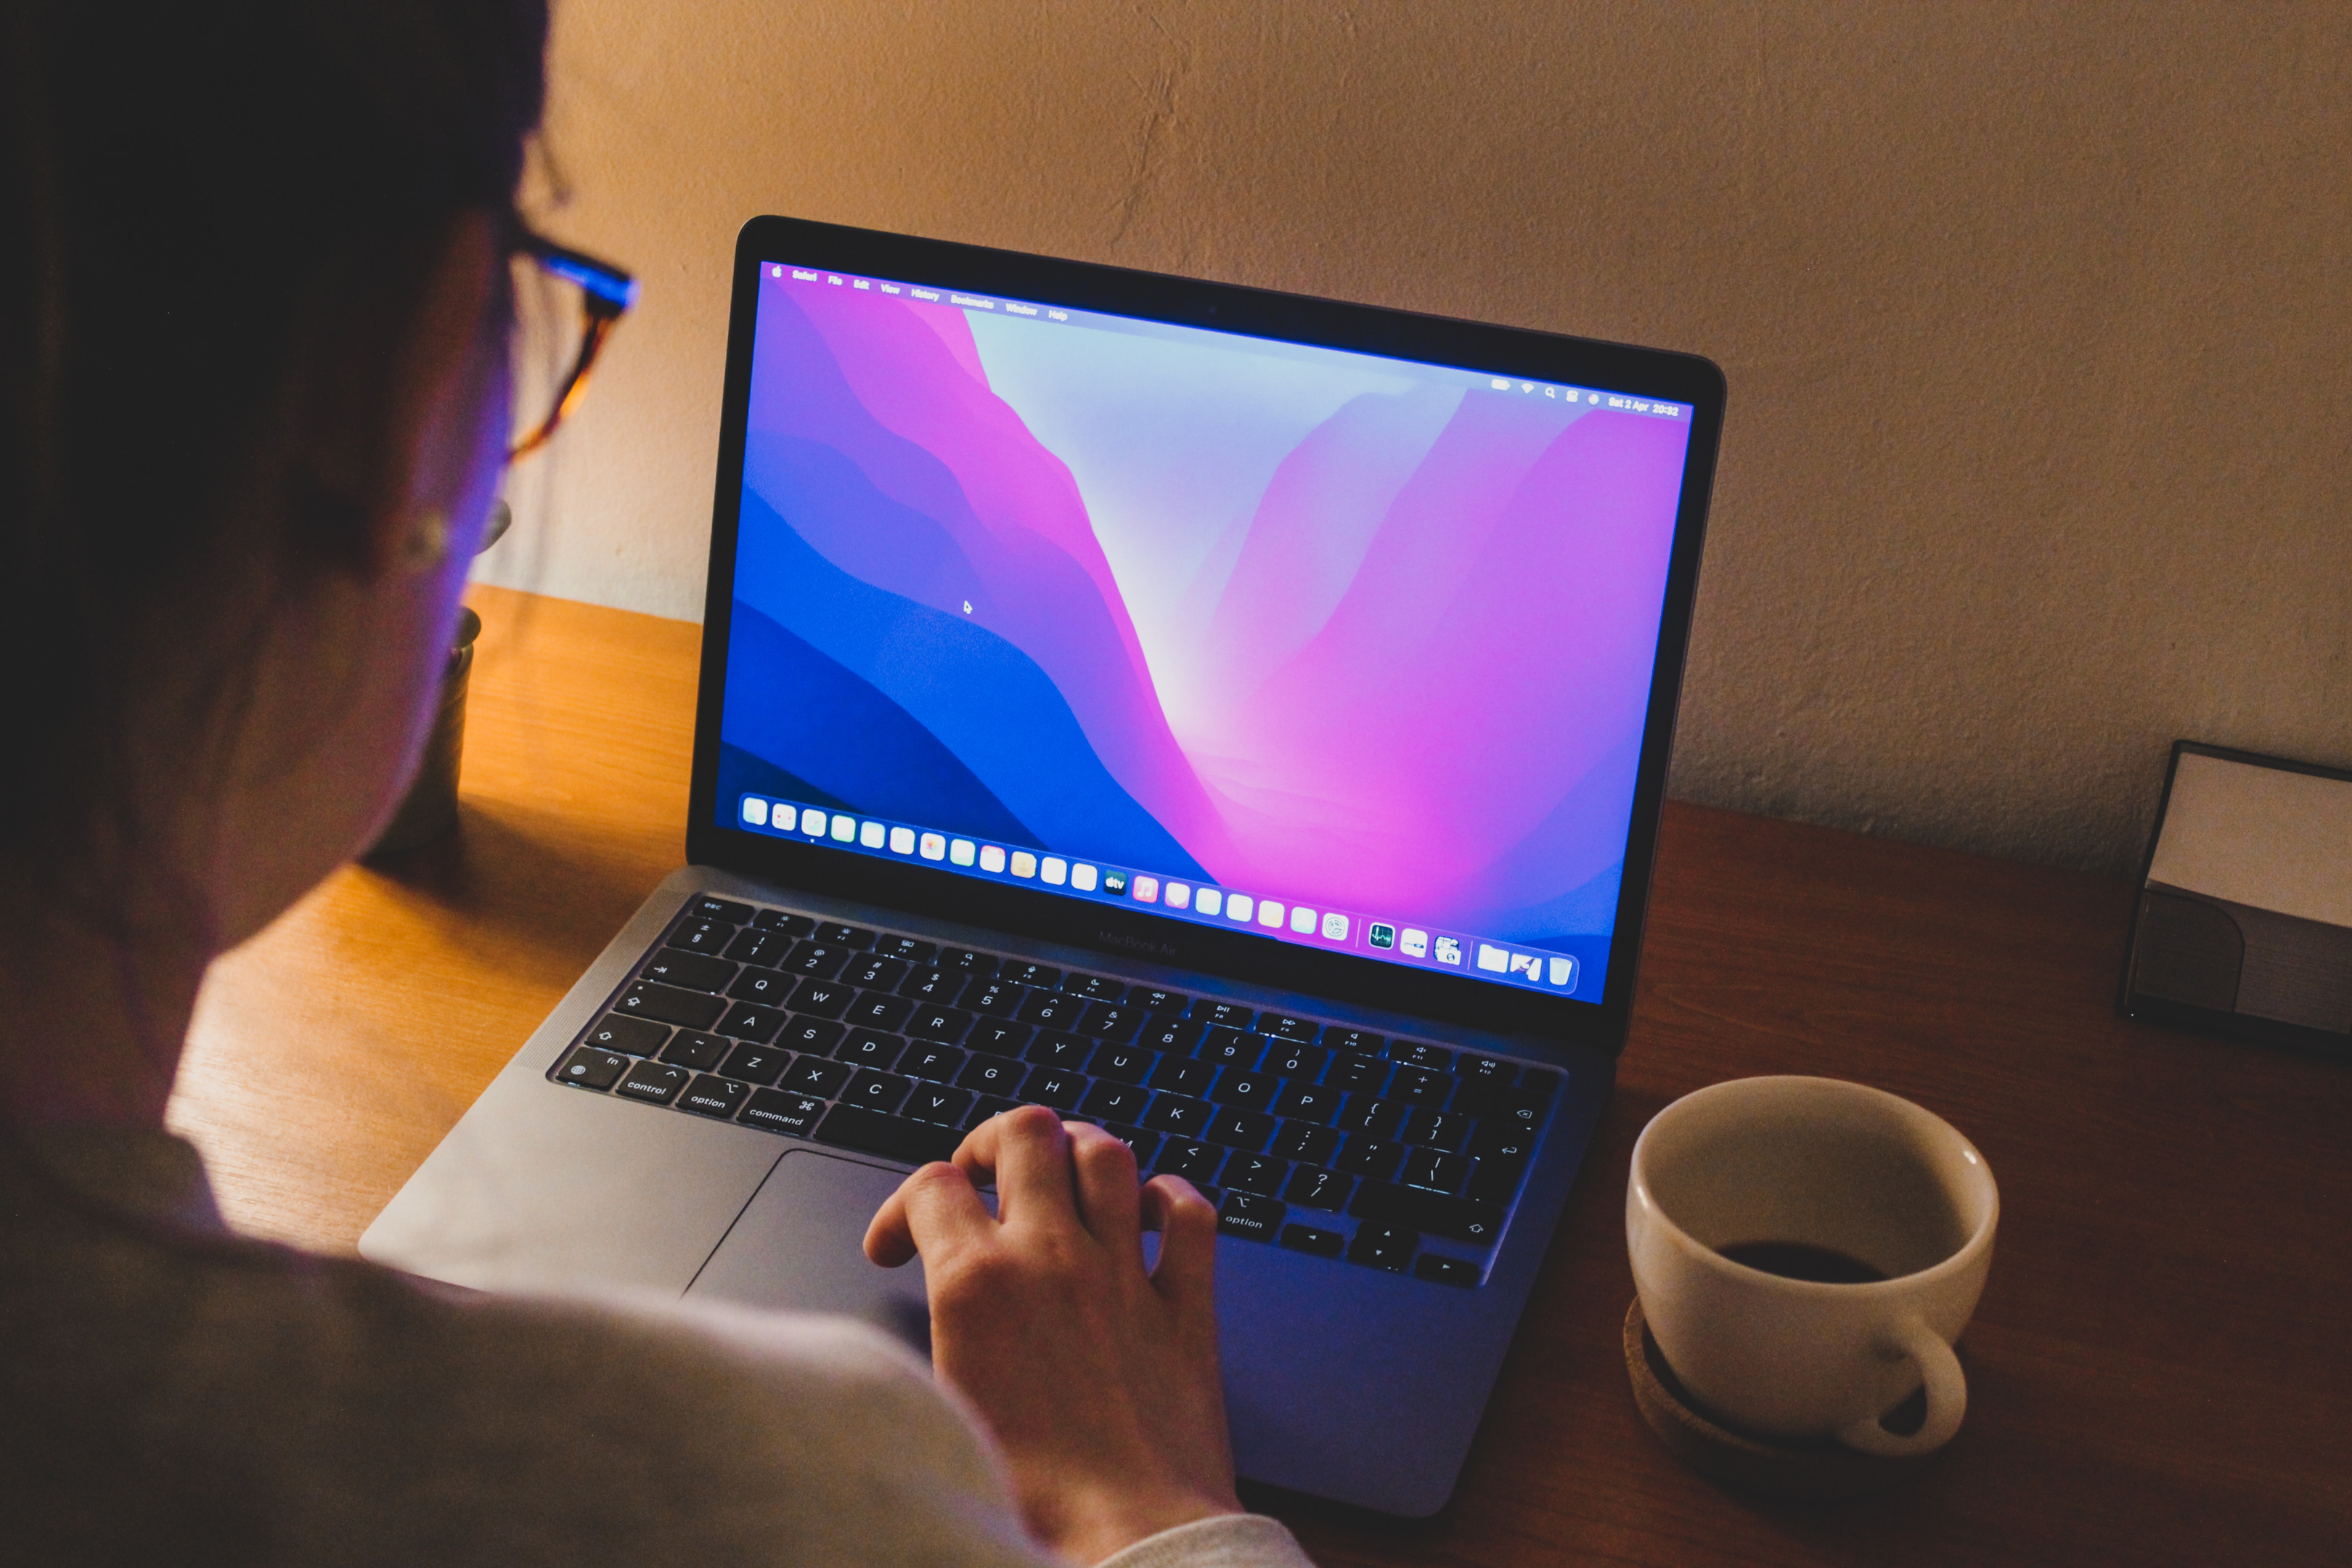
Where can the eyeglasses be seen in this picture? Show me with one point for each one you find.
(606, 294)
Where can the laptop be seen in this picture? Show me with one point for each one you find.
(1234, 718)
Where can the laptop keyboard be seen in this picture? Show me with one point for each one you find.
(1317, 1136)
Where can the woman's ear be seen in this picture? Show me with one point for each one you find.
(397, 405)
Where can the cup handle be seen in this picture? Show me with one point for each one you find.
(1948, 1396)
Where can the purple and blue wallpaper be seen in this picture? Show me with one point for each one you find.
(1326, 628)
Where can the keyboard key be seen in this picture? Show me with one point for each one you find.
(1060, 1051)
(1494, 1181)
(757, 1065)
(1111, 1021)
(691, 971)
(996, 998)
(1252, 1091)
(1368, 1075)
(1176, 1034)
(818, 1035)
(1052, 1010)
(876, 1090)
(1288, 1058)
(1228, 1015)
(1170, 1002)
(1540, 1082)
(1305, 1142)
(1013, 971)
(1361, 1041)
(906, 948)
(1313, 1189)
(1143, 1143)
(1457, 1217)
(939, 1105)
(762, 947)
(1501, 1141)
(1238, 1129)
(752, 1021)
(1362, 1113)
(1308, 1238)
(1232, 1048)
(1420, 1086)
(894, 1137)
(868, 1048)
(1306, 1103)
(1367, 1156)
(1250, 1216)
(993, 1074)
(844, 935)
(989, 1105)
(779, 1112)
(713, 1096)
(1094, 987)
(814, 1074)
(821, 998)
(870, 973)
(1112, 1101)
(998, 1038)
(1183, 1075)
(817, 958)
(1289, 1027)
(1060, 1087)
(967, 961)
(879, 1010)
(654, 1081)
(939, 1064)
(592, 1067)
(709, 937)
(939, 988)
(1413, 1053)
(1436, 1128)
(1388, 1247)
(638, 1036)
(1248, 1172)
(791, 925)
(709, 906)
(1488, 1069)
(1445, 1270)
(769, 985)
(649, 999)
(1176, 1113)
(1125, 1064)
(931, 1022)
(697, 1053)
(1434, 1170)
(1196, 1162)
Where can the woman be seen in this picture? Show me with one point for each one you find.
(256, 314)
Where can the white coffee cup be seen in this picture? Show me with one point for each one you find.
(1838, 1169)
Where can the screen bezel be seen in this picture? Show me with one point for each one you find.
(1160, 939)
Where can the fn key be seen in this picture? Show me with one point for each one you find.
(593, 1069)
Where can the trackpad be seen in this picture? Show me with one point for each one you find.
(798, 1245)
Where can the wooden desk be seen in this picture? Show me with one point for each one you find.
(2160, 1371)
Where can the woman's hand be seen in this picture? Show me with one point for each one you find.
(1099, 1380)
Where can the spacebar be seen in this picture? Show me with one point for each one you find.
(917, 1142)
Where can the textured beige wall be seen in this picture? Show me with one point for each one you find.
(2035, 318)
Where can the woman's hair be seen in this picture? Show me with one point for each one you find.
(193, 198)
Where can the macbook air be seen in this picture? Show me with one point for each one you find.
(1236, 719)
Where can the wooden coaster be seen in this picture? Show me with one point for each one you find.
(1822, 1471)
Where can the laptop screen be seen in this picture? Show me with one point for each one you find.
(1338, 650)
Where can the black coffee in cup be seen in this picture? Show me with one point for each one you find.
(1803, 1261)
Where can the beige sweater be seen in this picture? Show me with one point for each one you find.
(170, 1393)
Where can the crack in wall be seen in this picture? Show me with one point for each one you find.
(1158, 125)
